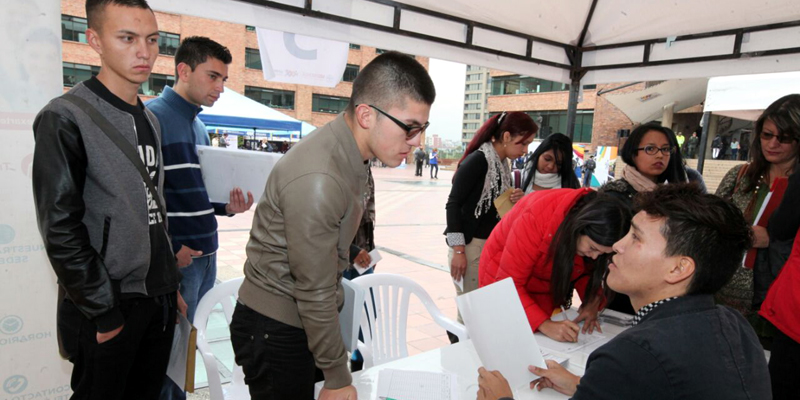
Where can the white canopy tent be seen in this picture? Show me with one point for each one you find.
(746, 97)
(578, 41)
(648, 104)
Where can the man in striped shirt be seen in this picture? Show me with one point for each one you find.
(201, 71)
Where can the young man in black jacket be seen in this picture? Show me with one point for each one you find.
(103, 229)
(683, 246)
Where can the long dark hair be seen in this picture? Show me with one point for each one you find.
(562, 149)
(674, 172)
(517, 123)
(603, 218)
(785, 114)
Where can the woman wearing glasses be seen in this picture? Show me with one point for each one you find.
(651, 158)
(482, 175)
(773, 155)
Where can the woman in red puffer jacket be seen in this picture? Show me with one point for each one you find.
(548, 244)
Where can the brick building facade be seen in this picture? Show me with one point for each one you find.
(77, 55)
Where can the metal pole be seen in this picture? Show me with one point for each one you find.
(701, 151)
(572, 107)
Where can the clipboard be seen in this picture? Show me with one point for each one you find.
(183, 355)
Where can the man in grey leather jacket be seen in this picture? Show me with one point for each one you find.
(286, 323)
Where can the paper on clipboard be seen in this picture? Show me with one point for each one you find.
(503, 340)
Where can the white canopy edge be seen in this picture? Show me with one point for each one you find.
(745, 97)
(383, 15)
(648, 104)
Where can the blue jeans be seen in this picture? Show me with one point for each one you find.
(198, 278)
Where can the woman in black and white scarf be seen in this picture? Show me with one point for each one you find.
(550, 166)
(483, 174)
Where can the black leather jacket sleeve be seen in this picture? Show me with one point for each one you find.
(59, 175)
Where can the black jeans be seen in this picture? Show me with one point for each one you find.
(418, 171)
(783, 364)
(133, 364)
(275, 358)
(437, 170)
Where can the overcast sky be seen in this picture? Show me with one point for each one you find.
(448, 109)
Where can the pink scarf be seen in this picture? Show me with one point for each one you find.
(635, 178)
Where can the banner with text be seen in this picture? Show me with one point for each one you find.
(30, 367)
(292, 58)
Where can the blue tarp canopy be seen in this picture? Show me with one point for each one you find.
(236, 111)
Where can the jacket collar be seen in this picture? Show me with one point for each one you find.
(181, 105)
(681, 305)
(345, 136)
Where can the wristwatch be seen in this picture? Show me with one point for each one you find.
(459, 252)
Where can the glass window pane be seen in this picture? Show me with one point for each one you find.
(350, 73)
(252, 59)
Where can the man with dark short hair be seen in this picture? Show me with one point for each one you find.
(103, 229)
(286, 323)
(683, 246)
(201, 69)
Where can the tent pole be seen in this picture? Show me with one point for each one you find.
(572, 108)
(701, 151)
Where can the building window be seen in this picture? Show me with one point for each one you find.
(252, 59)
(75, 73)
(471, 126)
(250, 28)
(473, 77)
(589, 87)
(380, 51)
(350, 73)
(472, 106)
(516, 84)
(473, 96)
(274, 98)
(156, 84)
(473, 87)
(328, 104)
(355, 46)
(556, 122)
(73, 28)
(168, 43)
(472, 116)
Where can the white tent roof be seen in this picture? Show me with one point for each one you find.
(745, 97)
(648, 104)
(623, 40)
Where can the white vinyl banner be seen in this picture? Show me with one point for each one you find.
(292, 58)
(31, 71)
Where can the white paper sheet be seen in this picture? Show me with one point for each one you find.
(350, 316)
(223, 169)
(375, 255)
(417, 385)
(176, 370)
(500, 331)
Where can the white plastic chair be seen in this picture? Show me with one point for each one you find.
(226, 294)
(385, 317)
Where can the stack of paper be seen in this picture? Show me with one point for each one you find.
(416, 385)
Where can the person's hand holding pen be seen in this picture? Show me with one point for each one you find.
(562, 331)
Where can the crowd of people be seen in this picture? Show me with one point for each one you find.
(134, 248)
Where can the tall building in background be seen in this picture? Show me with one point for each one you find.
(312, 104)
(476, 93)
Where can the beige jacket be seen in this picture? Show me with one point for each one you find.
(300, 241)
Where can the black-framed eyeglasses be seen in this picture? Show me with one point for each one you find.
(785, 139)
(411, 131)
(653, 150)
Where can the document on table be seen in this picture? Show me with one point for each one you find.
(584, 339)
(223, 169)
(395, 384)
(500, 331)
